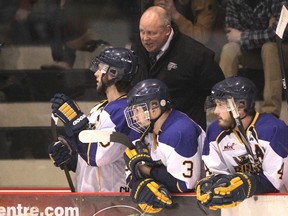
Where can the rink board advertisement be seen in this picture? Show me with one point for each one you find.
(88, 204)
(40, 203)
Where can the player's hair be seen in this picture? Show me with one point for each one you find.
(123, 86)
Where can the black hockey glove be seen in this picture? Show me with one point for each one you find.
(69, 113)
(225, 191)
(150, 196)
(136, 157)
(60, 152)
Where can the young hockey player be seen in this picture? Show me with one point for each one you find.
(167, 158)
(244, 155)
(98, 166)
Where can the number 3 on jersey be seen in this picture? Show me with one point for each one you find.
(189, 165)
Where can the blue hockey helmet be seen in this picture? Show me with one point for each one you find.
(120, 63)
(147, 90)
(145, 96)
(240, 88)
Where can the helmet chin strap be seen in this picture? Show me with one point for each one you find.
(234, 122)
(241, 118)
(153, 121)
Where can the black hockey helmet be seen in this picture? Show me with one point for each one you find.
(120, 63)
(240, 88)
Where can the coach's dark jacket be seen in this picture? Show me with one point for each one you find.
(189, 70)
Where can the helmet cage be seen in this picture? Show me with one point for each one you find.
(138, 117)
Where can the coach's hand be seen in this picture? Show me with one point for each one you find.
(150, 196)
(69, 113)
(137, 157)
(225, 191)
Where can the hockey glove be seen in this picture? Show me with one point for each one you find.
(150, 196)
(226, 191)
(203, 189)
(69, 113)
(60, 152)
(136, 157)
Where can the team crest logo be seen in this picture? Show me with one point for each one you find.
(171, 65)
(229, 147)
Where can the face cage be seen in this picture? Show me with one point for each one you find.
(138, 117)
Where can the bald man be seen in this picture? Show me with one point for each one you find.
(186, 66)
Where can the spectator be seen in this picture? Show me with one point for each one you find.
(251, 43)
(114, 69)
(186, 66)
(7, 11)
(170, 146)
(233, 176)
(55, 21)
(202, 20)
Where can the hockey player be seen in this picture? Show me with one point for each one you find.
(167, 158)
(233, 176)
(98, 166)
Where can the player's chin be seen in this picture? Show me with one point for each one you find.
(223, 124)
(144, 124)
(98, 87)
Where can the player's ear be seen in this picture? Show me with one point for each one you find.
(242, 112)
(154, 113)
